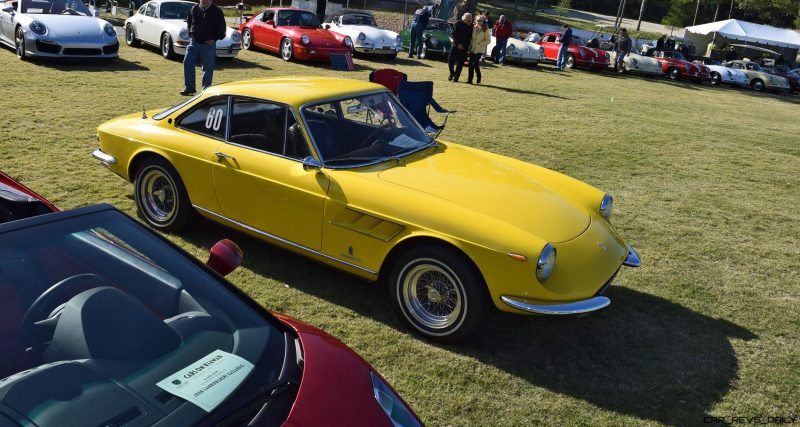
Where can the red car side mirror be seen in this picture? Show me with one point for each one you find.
(224, 257)
(270, 22)
(327, 26)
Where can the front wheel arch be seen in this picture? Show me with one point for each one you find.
(414, 242)
(142, 158)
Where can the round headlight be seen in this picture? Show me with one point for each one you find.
(184, 34)
(687, 67)
(109, 29)
(348, 42)
(305, 39)
(511, 47)
(546, 263)
(399, 40)
(583, 53)
(434, 41)
(38, 28)
(361, 37)
(236, 37)
(606, 206)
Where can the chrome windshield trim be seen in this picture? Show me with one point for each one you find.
(104, 158)
(282, 240)
(558, 309)
(358, 165)
(632, 260)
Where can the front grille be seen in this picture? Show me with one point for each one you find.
(47, 47)
(82, 51)
(112, 48)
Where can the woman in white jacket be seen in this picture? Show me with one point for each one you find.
(480, 39)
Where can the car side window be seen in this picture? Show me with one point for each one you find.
(141, 10)
(266, 127)
(269, 16)
(151, 10)
(209, 119)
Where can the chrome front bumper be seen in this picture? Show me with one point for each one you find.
(104, 158)
(575, 307)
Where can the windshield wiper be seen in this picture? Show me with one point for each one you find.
(357, 159)
(234, 415)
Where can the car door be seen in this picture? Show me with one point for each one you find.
(147, 27)
(260, 179)
(7, 24)
(261, 30)
(550, 47)
(273, 33)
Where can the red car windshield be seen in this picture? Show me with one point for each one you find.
(297, 18)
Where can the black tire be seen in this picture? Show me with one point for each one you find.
(247, 39)
(757, 85)
(161, 197)
(287, 50)
(569, 62)
(19, 44)
(130, 37)
(716, 79)
(673, 73)
(453, 303)
(167, 49)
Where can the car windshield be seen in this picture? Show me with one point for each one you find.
(107, 321)
(676, 55)
(297, 18)
(175, 10)
(782, 69)
(438, 26)
(359, 20)
(577, 40)
(55, 7)
(362, 130)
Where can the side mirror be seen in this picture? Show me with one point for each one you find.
(270, 22)
(311, 163)
(8, 9)
(327, 26)
(224, 257)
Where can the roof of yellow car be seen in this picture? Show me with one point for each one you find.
(295, 91)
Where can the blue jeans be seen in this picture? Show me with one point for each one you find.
(562, 56)
(620, 58)
(416, 40)
(207, 54)
(501, 50)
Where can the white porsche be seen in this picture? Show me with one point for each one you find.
(635, 63)
(724, 75)
(367, 37)
(518, 50)
(56, 29)
(163, 24)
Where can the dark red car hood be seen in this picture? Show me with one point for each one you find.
(10, 184)
(336, 388)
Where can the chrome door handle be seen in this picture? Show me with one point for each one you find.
(221, 156)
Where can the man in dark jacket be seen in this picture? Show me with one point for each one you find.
(502, 32)
(563, 50)
(623, 48)
(321, 5)
(206, 25)
(462, 35)
(418, 24)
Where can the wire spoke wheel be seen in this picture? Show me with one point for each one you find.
(159, 196)
(432, 295)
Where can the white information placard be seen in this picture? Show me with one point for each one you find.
(207, 382)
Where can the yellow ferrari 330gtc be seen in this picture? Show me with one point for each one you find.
(338, 170)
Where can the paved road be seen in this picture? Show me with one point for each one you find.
(609, 21)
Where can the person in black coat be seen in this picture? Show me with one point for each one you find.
(206, 25)
(462, 34)
(321, 5)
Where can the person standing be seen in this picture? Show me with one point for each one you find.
(563, 50)
(321, 6)
(206, 25)
(462, 35)
(502, 31)
(488, 20)
(418, 24)
(660, 42)
(623, 48)
(477, 47)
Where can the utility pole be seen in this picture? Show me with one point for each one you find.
(641, 12)
(619, 13)
(694, 21)
(730, 13)
(716, 11)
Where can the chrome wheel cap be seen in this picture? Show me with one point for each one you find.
(286, 50)
(20, 45)
(159, 197)
(246, 39)
(165, 45)
(432, 296)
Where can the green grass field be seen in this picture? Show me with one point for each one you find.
(706, 185)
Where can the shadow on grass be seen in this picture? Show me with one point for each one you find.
(90, 65)
(523, 91)
(644, 356)
(407, 62)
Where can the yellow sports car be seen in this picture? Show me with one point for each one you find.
(338, 170)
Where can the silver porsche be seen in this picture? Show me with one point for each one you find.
(56, 29)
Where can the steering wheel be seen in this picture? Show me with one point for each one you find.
(383, 125)
(40, 319)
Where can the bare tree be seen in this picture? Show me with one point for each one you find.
(463, 7)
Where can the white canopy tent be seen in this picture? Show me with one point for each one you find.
(784, 41)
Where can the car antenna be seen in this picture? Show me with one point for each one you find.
(144, 112)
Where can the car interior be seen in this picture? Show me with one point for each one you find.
(90, 325)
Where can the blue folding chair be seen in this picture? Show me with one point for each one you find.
(417, 97)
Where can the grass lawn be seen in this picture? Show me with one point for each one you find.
(706, 185)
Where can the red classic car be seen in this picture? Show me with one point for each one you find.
(93, 300)
(675, 66)
(579, 55)
(786, 73)
(292, 33)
